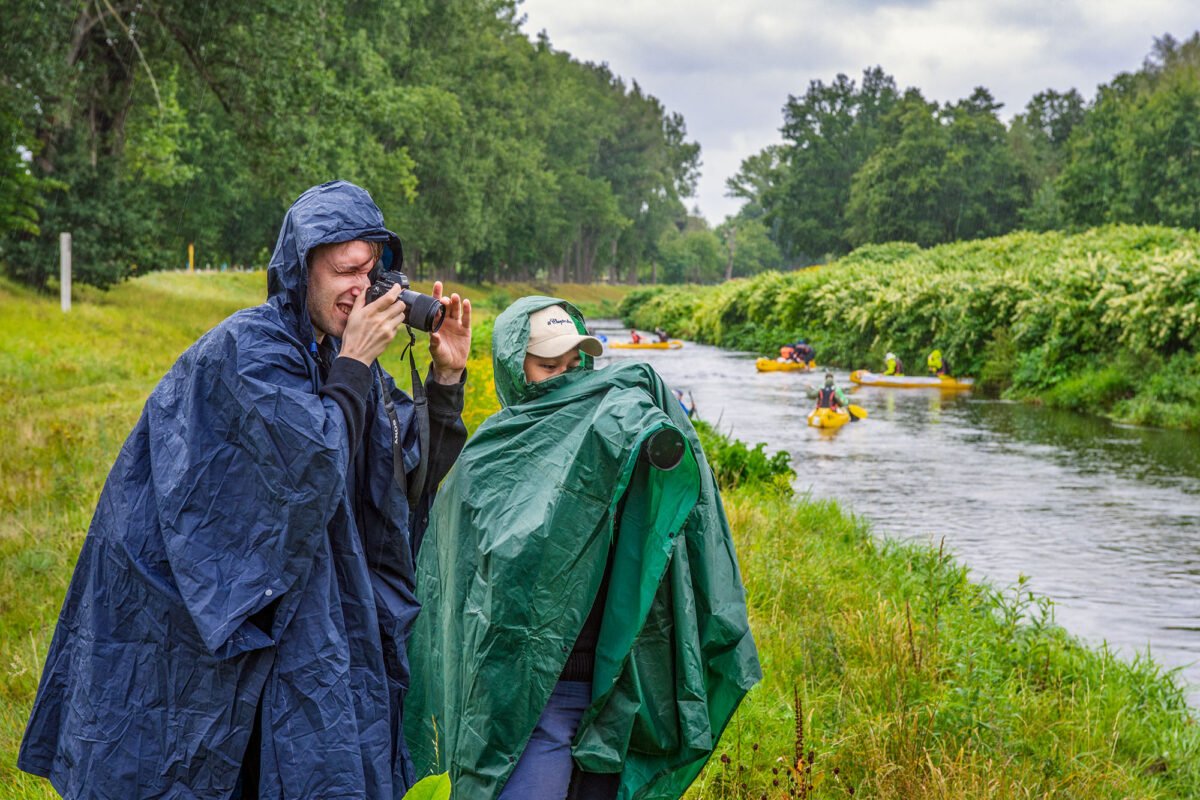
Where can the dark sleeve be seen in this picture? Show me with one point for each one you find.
(447, 432)
(348, 385)
(447, 435)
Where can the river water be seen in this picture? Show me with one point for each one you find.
(1103, 519)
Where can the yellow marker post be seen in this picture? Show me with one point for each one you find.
(191, 256)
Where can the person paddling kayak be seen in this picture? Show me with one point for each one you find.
(893, 365)
(938, 364)
(828, 396)
(679, 396)
(799, 352)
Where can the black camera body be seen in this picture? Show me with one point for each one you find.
(423, 312)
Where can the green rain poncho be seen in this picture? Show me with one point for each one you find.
(510, 566)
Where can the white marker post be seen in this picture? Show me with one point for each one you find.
(64, 270)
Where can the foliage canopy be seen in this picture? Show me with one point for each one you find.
(143, 127)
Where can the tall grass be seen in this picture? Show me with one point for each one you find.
(1044, 315)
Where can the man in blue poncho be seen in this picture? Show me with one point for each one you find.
(238, 620)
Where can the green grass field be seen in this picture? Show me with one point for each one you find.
(912, 681)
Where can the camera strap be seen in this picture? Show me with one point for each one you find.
(421, 408)
(413, 488)
(397, 443)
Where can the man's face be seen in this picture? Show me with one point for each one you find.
(337, 275)
(541, 368)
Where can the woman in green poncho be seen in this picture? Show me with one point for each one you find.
(580, 605)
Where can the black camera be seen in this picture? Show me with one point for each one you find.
(422, 312)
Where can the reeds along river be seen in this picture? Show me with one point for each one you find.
(1103, 519)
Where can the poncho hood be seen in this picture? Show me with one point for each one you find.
(333, 212)
(545, 493)
(510, 338)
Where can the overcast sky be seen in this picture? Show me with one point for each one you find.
(729, 65)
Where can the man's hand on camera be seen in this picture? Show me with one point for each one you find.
(451, 345)
(371, 327)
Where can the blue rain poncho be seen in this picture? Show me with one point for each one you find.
(236, 556)
(516, 550)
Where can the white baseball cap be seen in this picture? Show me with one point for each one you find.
(552, 332)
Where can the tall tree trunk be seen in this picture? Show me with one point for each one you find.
(732, 249)
(585, 259)
(562, 265)
(591, 247)
(413, 257)
(654, 271)
(633, 272)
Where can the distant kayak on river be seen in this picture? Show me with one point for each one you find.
(867, 378)
(775, 365)
(673, 344)
(828, 418)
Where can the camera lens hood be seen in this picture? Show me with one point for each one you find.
(664, 449)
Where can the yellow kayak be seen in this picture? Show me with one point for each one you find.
(771, 365)
(674, 344)
(828, 418)
(867, 378)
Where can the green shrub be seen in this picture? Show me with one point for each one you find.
(735, 464)
(1034, 313)
(1101, 388)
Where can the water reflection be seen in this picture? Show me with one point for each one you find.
(1105, 519)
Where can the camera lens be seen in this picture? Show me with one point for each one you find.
(424, 312)
(664, 449)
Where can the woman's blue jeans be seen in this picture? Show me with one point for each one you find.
(544, 770)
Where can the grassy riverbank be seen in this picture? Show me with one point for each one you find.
(913, 682)
(1106, 321)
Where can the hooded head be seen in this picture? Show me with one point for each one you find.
(510, 342)
(330, 213)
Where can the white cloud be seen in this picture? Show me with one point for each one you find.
(729, 67)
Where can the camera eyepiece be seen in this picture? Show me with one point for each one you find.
(423, 312)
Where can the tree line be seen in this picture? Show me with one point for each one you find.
(142, 127)
(862, 162)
